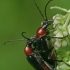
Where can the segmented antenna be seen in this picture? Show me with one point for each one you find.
(13, 41)
(39, 9)
(45, 9)
(25, 38)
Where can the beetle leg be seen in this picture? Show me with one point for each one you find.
(63, 62)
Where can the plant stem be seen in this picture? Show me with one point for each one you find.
(62, 9)
(67, 20)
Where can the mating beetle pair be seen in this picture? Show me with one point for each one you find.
(40, 54)
(39, 51)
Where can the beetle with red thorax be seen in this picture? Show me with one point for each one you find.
(38, 50)
(39, 54)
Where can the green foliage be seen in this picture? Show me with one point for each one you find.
(61, 43)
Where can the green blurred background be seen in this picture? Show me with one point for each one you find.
(17, 16)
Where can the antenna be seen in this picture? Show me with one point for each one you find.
(45, 9)
(25, 38)
(39, 9)
(14, 40)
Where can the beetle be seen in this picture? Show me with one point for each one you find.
(39, 51)
(40, 56)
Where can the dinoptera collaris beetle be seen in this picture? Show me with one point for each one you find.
(40, 54)
(39, 51)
